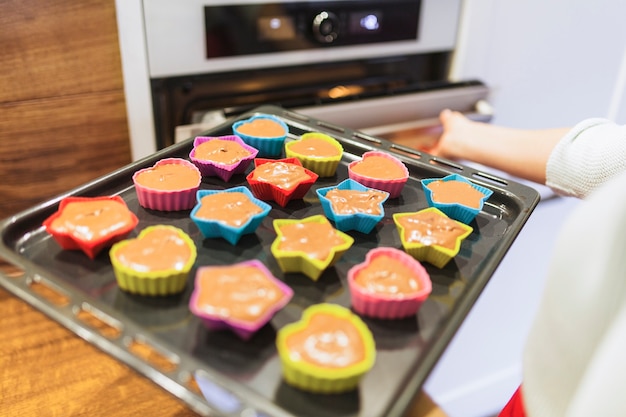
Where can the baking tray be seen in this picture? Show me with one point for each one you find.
(162, 340)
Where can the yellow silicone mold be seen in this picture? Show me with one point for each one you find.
(318, 379)
(153, 283)
(300, 261)
(322, 166)
(436, 255)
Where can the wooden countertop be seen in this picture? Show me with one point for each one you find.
(46, 370)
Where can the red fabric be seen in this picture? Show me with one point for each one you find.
(515, 406)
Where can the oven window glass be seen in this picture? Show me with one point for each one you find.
(278, 28)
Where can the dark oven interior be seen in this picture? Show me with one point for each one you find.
(182, 100)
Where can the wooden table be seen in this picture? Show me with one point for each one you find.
(46, 370)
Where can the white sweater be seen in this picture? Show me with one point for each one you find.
(575, 356)
(588, 155)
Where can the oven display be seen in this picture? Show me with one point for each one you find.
(365, 22)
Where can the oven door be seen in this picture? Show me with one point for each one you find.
(409, 118)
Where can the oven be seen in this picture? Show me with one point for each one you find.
(381, 67)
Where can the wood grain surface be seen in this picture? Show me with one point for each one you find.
(62, 106)
(46, 370)
(53, 48)
(51, 146)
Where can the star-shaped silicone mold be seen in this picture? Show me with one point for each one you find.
(230, 225)
(353, 206)
(430, 236)
(309, 245)
(280, 180)
(456, 196)
(241, 297)
(90, 224)
(222, 156)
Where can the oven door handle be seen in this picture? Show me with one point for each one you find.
(423, 134)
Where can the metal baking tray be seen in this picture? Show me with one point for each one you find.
(162, 340)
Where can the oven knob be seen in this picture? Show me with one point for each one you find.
(325, 26)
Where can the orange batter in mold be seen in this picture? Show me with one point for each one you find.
(169, 177)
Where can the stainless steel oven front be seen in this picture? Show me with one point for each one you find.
(381, 67)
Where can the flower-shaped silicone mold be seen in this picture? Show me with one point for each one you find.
(170, 185)
(241, 297)
(265, 132)
(156, 263)
(381, 171)
(90, 224)
(328, 351)
(316, 151)
(229, 213)
(389, 284)
(353, 206)
(222, 156)
(309, 245)
(456, 196)
(430, 236)
(280, 180)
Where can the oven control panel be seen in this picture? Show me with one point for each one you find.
(248, 29)
(221, 36)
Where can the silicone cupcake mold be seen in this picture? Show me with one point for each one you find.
(265, 132)
(381, 171)
(170, 185)
(228, 218)
(280, 180)
(354, 207)
(309, 245)
(155, 263)
(242, 297)
(456, 196)
(328, 351)
(90, 224)
(222, 156)
(389, 284)
(430, 236)
(316, 151)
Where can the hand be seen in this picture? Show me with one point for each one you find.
(457, 131)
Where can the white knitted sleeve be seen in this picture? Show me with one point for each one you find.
(587, 156)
